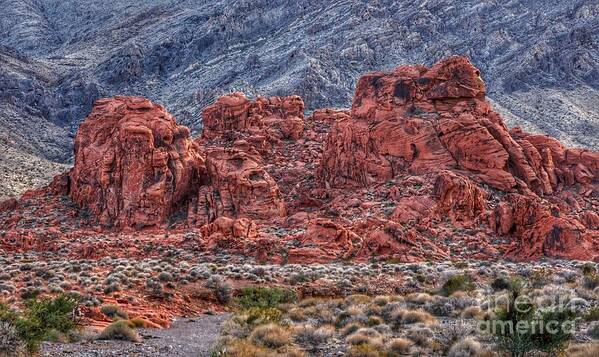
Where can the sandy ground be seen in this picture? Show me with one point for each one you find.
(190, 337)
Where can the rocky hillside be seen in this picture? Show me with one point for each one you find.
(539, 58)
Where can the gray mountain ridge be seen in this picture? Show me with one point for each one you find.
(540, 60)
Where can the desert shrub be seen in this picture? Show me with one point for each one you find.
(540, 277)
(358, 338)
(43, 317)
(311, 336)
(472, 312)
(296, 314)
(465, 348)
(222, 288)
(380, 300)
(583, 350)
(419, 298)
(461, 264)
(265, 297)
(113, 311)
(439, 307)
(501, 283)
(588, 269)
(537, 332)
(593, 330)
(119, 330)
(271, 336)
(459, 282)
(421, 336)
(6, 314)
(350, 328)
(591, 314)
(244, 348)
(375, 320)
(138, 322)
(405, 317)
(259, 315)
(10, 342)
(590, 281)
(399, 346)
(364, 350)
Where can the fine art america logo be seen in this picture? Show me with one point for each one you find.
(521, 314)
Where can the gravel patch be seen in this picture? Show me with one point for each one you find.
(188, 337)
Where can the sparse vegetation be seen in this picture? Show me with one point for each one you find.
(114, 311)
(263, 297)
(119, 330)
(459, 282)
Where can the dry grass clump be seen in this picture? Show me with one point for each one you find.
(297, 314)
(402, 316)
(271, 336)
(350, 328)
(247, 349)
(472, 312)
(466, 348)
(583, 350)
(364, 350)
(399, 346)
(419, 298)
(312, 336)
(119, 330)
(365, 338)
(357, 299)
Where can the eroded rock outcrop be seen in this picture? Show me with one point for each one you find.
(275, 117)
(134, 166)
(238, 186)
(416, 119)
(421, 167)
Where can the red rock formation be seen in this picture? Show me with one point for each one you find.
(134, 166)
(420, 168)
(459, 197)
(416, 120)
(276, 117)
(238, 187)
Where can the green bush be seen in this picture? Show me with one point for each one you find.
(260, 315)
(588, 269)
(265, 297)
(458, 282)
(543, 331)
(43, 319)
(6, 314)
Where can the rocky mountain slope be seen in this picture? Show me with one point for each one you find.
(539, 58)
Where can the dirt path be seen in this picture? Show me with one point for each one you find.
(193, 337)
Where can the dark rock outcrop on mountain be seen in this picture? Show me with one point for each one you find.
(540, 59)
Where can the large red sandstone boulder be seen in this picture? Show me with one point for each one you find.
(134, 166)
(237, 186)
(459, 197)
(540, 230)
(416, 119)
(276, 117)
